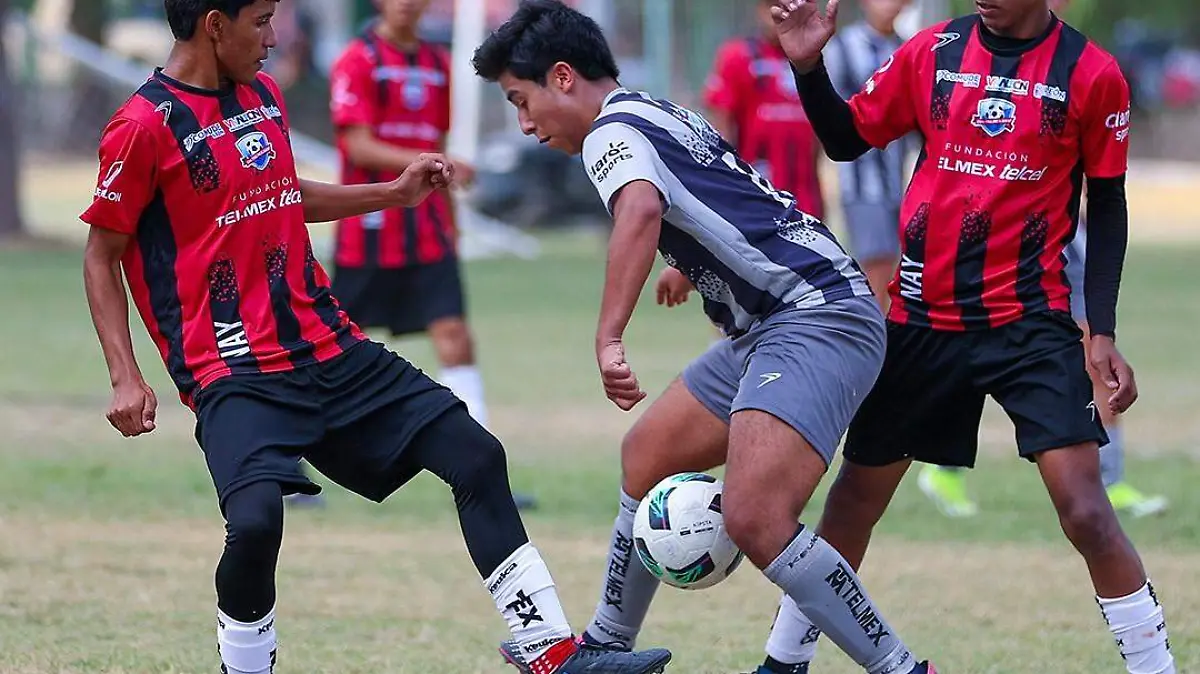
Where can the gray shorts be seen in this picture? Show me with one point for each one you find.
(1075, 257)
(874, 231)
(809, 367)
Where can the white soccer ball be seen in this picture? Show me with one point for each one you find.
(679, 533)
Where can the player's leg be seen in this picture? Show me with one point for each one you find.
(439, 290)
(922, 406)
(253, 434)
(387, 422)
(806, 374)
(1035, 369)
(683, 430)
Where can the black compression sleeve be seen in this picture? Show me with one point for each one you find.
(1107, 238)
(830, 115)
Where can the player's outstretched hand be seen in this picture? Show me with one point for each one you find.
(1115, 372)
(620, 383)
(672, 288)
(133, 408)
(803, 30)
(429, 172)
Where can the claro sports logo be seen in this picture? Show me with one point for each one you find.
(1119, 123)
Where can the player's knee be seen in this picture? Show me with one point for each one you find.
(254, 518)
(483, 467)
(452, 341)
(645, 460)
(748, 522)
(1090, 524)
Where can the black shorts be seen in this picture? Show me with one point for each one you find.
(403, 300)
(351, 417)
(928, 399)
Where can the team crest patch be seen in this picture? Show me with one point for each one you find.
(414, 95)
(256, 150)
(995, 116)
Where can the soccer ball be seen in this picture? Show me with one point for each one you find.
(679, 534)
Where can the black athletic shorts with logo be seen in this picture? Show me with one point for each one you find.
(928, 399)
(351, 417)
(401, 300)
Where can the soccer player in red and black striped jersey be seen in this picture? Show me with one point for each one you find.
(398, 269)
(1016, 109)
(200, 210)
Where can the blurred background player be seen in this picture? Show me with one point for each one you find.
(399, 269)
(946, 486)
(870, 186)
(752, 102)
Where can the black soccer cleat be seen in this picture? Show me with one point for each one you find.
(591, 659)
(594, 658)
(925, 667)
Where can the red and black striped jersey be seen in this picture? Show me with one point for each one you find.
(1009, 135)
(404, 98)
(220, 264)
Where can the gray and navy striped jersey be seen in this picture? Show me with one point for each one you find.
(851, 57)
(739, 240)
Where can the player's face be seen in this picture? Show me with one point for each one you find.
(1003, 15)
(401, 14)
(242, 44)
(883, 12)
(549, 113)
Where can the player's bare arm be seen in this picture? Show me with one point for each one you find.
(324, 201)
(133, 406)
(637, 219)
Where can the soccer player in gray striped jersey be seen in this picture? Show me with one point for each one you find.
(805, 337)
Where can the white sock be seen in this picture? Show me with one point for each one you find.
(246, 648)
(793, 638)
(524, 593)
(466, 383)
(1140, 629)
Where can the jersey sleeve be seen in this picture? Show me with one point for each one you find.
(128, 158)
(883, 110)
(617, 154)
(1105, 125)
(725, 87)
(352, 96)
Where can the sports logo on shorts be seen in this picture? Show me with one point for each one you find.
(256, 150)
(995, 116)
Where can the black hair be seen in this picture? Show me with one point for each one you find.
(184, 16)
(538, 35)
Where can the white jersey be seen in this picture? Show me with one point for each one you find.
(736, 237)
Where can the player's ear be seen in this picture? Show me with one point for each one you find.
(562, 76)
(214, 24)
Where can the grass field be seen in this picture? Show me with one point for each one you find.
(109, 544)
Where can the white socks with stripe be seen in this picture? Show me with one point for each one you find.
(246, 648)
(1137, 623)
(525, 595)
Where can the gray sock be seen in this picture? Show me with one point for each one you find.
(827, 590)
(1112, 457)
(628, 587)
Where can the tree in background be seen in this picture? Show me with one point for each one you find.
(10, 194)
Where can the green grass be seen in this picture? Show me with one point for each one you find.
(109, 544)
